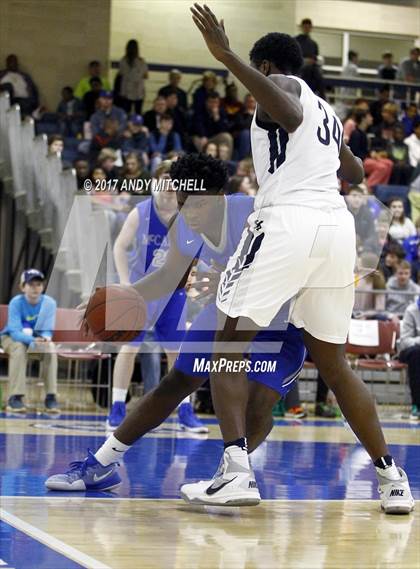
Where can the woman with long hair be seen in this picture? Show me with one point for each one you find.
(133, 73)
(401, 226)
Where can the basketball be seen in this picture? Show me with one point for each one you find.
(116, 314)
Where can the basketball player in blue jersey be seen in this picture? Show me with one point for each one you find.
(208, 229)
(299, 246)
(140, 249)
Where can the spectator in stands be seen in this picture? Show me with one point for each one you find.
(308, 46)
(152, 117)
(246, 168)
(409, 68)
(231, 103)
(175, 77)
(410, 118)
(178, 115)
(396, 303)
(211, 124)
(224, 153)
(90, 99)
(241, 128)
(200, 95)
(55, 144)
(410, 353)
(390, 261)
(107, 160)
(133, 170)
(162, 141)
(376, 106)
(350, 71)
(384, 131)
(84, 85)
(358, 141)
(30, 326)
(107, 110)
(350, 123)
(70, 113)
(136, 138)
(398, 153)
(401, 226)
(134, 72)
(378, 168)
(387, 70)
(82, 171)
(21, 87)
(413, 143)
(240, 185)
(211, 149)
(364, 223)
(109, 137)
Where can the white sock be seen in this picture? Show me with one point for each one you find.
(111, 451)
(119, 394)
(390, 472)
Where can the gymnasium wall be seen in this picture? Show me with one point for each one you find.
(55, 39)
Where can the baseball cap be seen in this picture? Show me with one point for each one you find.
(136, 119)
(31, 275)
(106, 94)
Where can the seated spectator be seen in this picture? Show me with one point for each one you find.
(134, 170)
(107, 161)
(55, 144)
(349, 123)
(90, 99)
(152, 117)
(211, 124)
(413, 143)
(398, 153)
(390, 261)
(387, 70)
(85, 85)
(211, 149)
(246, 168)
(377, 106)
(175, 77)
(401, 226)
(162, 141)
(107, 110)
(410, 353)
(410, 118)
(230, 103)
(358, 141)
(82, 171)
(70, 113)
(396, 303)
(178, 114)
(384, 131)
(241, 128)
(108, 138)
(136, 138)
(409, 68)
(240, 185)
(30, 326)
(208, 85)
(224, 154)
(364, 224)
(21, 87)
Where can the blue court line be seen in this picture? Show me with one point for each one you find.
(208, 421)
(21, 551)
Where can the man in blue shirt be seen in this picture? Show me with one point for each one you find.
(30, 325)
(107, 110)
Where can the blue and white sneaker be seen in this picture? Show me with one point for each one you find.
(116, 416)
(188, 420)
(88, 474)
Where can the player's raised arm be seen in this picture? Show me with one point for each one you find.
(280, 101)
(351, 168)
(172, 275)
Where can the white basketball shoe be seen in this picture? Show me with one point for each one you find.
(396, 497)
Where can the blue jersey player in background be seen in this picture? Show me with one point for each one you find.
(208, 229)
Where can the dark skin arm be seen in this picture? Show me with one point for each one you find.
(351, 168)
(277, 96)
(172, 275)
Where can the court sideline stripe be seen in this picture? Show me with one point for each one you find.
(51, 541)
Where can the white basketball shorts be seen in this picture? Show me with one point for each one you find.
(295, 253)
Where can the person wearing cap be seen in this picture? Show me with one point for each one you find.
(85, 85)
(107, 110)
(175, 77)
(30, 326)
(136, 138)
(133, 73)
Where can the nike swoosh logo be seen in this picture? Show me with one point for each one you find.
(97, 478)
(212, 490)
(189, 242)
(116, 450)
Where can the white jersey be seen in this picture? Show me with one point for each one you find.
(299, 168)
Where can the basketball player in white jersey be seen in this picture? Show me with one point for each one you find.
(300, 245)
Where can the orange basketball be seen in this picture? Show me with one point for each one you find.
(116, 314)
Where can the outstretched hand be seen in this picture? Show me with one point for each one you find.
(213, 31)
